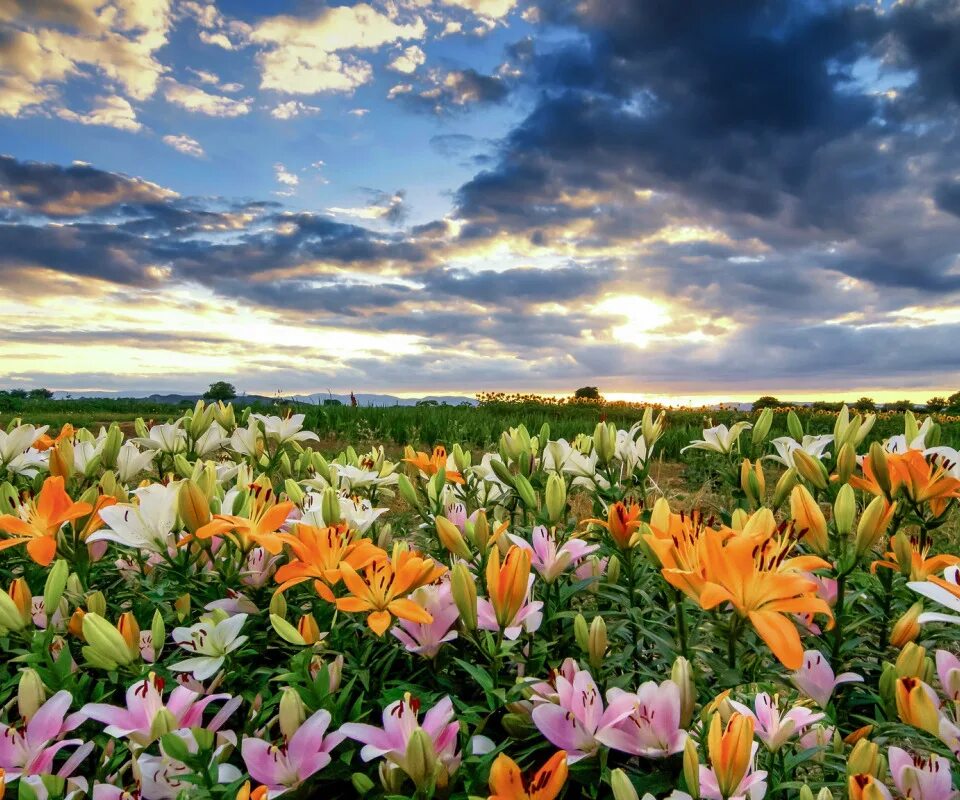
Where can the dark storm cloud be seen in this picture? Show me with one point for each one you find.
(455, 90)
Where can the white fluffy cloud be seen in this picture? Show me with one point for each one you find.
(408, 60)
(284, 176)
(185, 144)
(195, 99)
(291, 109)
(112, 111)
(303, 55)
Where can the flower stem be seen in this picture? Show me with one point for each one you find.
(681, 622)
(838, 620)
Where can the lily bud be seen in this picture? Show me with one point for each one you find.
(806, 793)
(605, 441)
(407, 492)
(362, 784)
(844, 510)
(158, 633)
(794, 426)
(182, 606)
(163, 723)
(807, 516)
(106, 646)
(762, 427)
(874, 522)
(846, 462)
(597, 642)
(752, 481)
(308, 628)
(391, 777)
(31, 693)
(810, 469)
(784, 486)
(55, 585)
(556, 498)
(451, 538)
(61, 462)
(278, 604)
(192, 506)
(330, 506)
(111, 447)
(130, 631)
(286, 631)
(461, 458)
(691, 768)
(916, 705)
(907, 629)
(22, 597)
(825, 794)
(682, 674)
(613, 570)
(293, 712)
(420, 760)
(902, 552)
(294, 492)
(911, 661)
(478, 530)
(464, 590)
(881, 470)
(525, 492)
(864, 759)
(622, 787)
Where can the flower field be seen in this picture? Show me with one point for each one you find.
(210, 607)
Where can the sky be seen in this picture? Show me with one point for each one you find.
(662, 198)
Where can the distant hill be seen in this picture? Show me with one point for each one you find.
(316, 398)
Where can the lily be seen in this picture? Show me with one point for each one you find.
(652, 729)
(31, 750)
(357, 512)
(550, 560)
(816, 679)
(772, 728)
(262, 518)
(399, 724)
(286, 429)
(39, 520)
(813, 446)
(212, 639)
(146, 525)
(719, 439)
(578, 723)
(945, 591)
(732, 752)
(15, 455)
(425, 639)
(921, 778)
(146, 716)
(508, 783)
(131, 462)
(167, 438)
(284, 767)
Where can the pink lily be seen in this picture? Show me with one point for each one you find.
(107, 791)
(550, 560)
(528, 617)
(259, 568)
(284, 767)
(425, 639)
(31, 750)
(816, 679)
(144, 705)
(652, 730)
(817, 737)
(591, 568)
(399, 723)
(921, 778)
(579, 721)
(752, 787)
(773, 729)
(948, 670)
(161, 776)
(457, 513)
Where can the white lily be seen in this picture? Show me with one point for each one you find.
(28, 463)
(84, 453)
(561, 456)
(357, 512)
(15, 453)
(167, 438)
(131, 462)
(631, 449)
(213, 439)
(247, 441)
(899, 443)
(146, 525)
(946, 457)
(718, 438)
(212, 639)
(811, 445)
(948, 598)
(285, 429)
(350, 478)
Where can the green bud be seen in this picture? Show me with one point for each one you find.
(292, 711)
(844, 510)
(286, 631)
(581, 632)
(278, 604)
(525, 492)
(597, 644)
(330, 506)
(811, 469)
(794, 426)
(761, 427)
(362, 785)
(806, 793)
(163, 723)
(106, 646)
(464, 589)
(556, 498)
(192, 506)
(613, 570)
(158, 633)
(31, 693)
(784, 486)
(183, 466)
(97, 603)
(910, 428)
(111, 447)
(407, 492)
(622, 787)
(846, 462)
(503, 472)
(54, 586)
(878, 461)
(420, 760)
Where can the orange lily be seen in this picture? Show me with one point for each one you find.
(46, 441)
(45, 515)
(917, 704)
(508, 783)
(677, 540)
(94, 523)
(730, 749)
(621, 521)
(927, 480)
(865, 786)
(320, 553)
(759, 578)
(259, 528)
(921, 567)
(381, 589)
(507, 584)
(869, 482)
(432, 463)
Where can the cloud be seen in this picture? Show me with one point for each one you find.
(445, 92)
(199, 101)
(386, 207)
(113, 111)
(291, 109)
(487, 9)
(408, 60)
(184, 144)
(287, 178)
(303, 55)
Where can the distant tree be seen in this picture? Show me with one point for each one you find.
(899, 405)
(953, 401)
(221, 390)
(331, 401)
(40, 394)
(937, 403)
(587, 393)
(766, 401)
(427, 403)
(825, 405)
(865, 404)
(20, 394)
